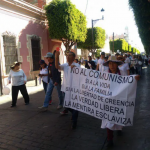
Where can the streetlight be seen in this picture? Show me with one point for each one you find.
(102, 10)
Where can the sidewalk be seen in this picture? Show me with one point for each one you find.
(25, 128)
(31, 88)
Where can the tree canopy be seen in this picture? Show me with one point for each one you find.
(123, 46)
(141, 10)
(119, 44)
(97, 54)
(66, 22)
(99, 39)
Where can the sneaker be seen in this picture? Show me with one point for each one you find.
(43, 108)
(27, 103)
(13, 106)
(59, 106)
(65, 112)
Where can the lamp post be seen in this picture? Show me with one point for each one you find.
(113, 41)
(102, 10)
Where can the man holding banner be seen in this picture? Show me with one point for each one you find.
(65, 67)
(107, 96)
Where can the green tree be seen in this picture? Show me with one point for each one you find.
(141, 10)
(133, 50)
(66, 22)
(119, 44)
(99, 39)
(97, 54)
(129, 49)
(138, 52)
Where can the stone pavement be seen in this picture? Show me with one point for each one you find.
(25, 128)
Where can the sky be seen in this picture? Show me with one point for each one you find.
(117, 16)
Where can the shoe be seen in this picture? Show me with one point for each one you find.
(109, 144)
(59, 106)
(43, 108)
(27, 103)
(50, 103)
(74, 125)
(13, 106)
(65, 112)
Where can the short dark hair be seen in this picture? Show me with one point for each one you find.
(106, 58)
(74, 55)
(77, 60)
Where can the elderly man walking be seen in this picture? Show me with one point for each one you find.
(54, 78)
(64, 67)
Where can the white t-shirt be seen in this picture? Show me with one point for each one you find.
(127, 60)
(17, 78)
(44, 71)
(100, 62)
(123, 69)
(96, 61)
(105, 68)
(64, 68)
(145, 58)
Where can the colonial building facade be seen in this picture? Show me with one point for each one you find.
(24, 37)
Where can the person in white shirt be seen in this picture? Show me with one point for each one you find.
(124, 68)
(44, 74)
(18, 79)
(100, 62)
(105, 68)
(133, 65)
(139, 65)
(113, 64)
(127, 60)
(64, 67)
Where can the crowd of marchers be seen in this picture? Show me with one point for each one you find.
(50, 77)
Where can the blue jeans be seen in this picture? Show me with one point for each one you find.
(49, 93)
(45, 86)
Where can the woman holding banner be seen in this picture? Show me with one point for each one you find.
(113, 64)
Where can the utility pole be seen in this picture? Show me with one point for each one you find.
(92, 37)
(102, 10)
(113, 42)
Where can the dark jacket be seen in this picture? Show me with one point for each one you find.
(92, 65)
(55, 74)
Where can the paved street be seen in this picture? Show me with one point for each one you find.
(24, 128)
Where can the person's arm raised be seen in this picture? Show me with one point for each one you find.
(57, 60)
(97, 67)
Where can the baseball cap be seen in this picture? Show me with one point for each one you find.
(49, 55)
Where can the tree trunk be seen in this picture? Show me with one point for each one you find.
(68, 44)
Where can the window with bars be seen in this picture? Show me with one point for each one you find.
(10, 51)
(36, 53)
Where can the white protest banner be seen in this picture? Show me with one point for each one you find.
(101, 94)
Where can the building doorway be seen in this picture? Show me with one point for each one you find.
(36, 53)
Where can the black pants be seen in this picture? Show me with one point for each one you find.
(15, 91)
(74, 114)
(146, 62)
